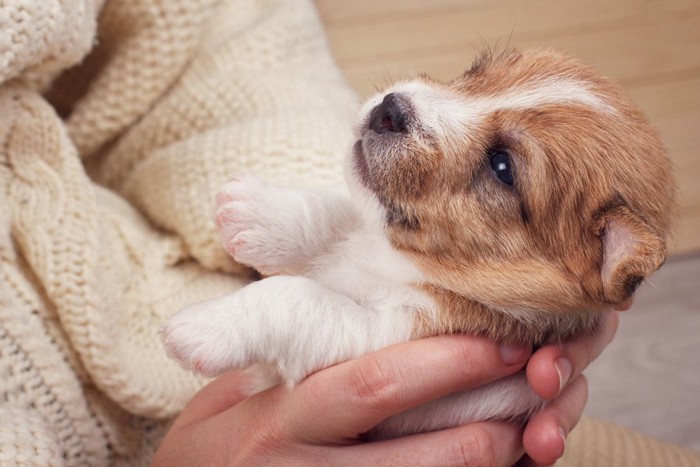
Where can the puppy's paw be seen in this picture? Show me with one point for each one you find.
(248, 213)
(200, 341)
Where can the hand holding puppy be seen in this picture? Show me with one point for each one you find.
(319, 421)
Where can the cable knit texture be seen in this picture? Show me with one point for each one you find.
(120, 121)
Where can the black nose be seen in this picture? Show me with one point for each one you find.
(390, 115)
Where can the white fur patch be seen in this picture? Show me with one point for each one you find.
(506, 398)
(293, 323)
(447, 114)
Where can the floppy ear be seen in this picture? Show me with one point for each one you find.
(632, 250)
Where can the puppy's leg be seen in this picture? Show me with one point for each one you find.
(280, 230)
(293, 323)
(506, 399)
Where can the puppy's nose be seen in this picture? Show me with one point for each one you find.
(390, 115)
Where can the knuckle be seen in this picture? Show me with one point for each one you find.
(373, 384)
(474, 448)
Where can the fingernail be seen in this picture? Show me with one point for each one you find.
(563, 367)
(562, 435)
(512, 355)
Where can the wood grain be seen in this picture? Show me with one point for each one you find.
(650, 47)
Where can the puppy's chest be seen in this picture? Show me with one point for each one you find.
(368, 270)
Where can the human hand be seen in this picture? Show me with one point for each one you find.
(554, 372)
(320, 420)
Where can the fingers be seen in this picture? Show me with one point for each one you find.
(216, 397)
(348, 399)
(545, 433)
(552, 367)
(549, 372)
(485, 443)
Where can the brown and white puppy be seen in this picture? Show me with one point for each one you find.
(519, 201)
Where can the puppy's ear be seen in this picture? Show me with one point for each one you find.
(632, 250)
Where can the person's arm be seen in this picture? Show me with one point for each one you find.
(319, 422)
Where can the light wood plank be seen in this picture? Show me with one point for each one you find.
(675, 109)
(433, 31)
(637, 53)
(340, 13)
(335, 12)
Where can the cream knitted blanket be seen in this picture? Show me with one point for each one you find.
(107, 212)
(108, 172)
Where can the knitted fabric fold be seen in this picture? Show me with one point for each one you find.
(88, 276)
(40, 38)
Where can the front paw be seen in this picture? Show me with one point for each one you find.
(246, 217)
(201, 341)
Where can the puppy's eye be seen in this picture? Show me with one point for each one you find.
(502, 167)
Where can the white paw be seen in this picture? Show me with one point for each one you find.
(202, 341)
(247, 215)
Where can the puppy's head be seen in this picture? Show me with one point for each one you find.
(529, 184)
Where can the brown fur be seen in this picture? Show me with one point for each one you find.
(470, 317)
(538, 246)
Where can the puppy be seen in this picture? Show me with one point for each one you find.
(519, 201)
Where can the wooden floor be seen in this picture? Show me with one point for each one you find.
(650, 47)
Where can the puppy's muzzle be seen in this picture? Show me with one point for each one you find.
(392, 115)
